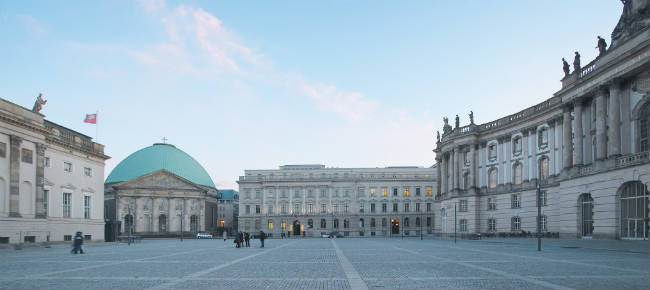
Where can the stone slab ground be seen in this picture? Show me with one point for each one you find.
(330, 264)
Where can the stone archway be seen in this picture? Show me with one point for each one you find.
(296, 228)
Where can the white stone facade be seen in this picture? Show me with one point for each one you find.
(51, 179)
(312, 200)
(587, 147)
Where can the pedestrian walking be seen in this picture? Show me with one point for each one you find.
(77, 242)
(262, 237)
(247, 238)
(225, 235)
(240, 236)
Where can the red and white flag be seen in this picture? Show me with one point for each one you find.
(91, 118)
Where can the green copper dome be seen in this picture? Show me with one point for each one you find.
(156, 157)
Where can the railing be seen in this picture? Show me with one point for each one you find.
(588, 69)
(633, 159)
(584, 170)
(423, 177)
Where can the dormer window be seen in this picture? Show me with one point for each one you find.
(542, 138)
(516, 145)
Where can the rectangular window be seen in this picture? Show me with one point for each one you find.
(27, 155)
(310, 208)
(372, 191)
(417, 207)
(428, 222)
(67, 204)
(542, 198)
(361, 208)
(372, 207)
(345, 207)
(395, 191)
(3, 149)
(335, 207)
(515, 224)
(258, 209)
(492, 152)
(47, 162)
(296, 208)
(429, 190)
(88, 171)
(86, 207)
(542, 224)
(406, 207)
(270, 224)
(323, 193)
(258, 194)
(362, 192)
(462, 206)
(384, 191)
(492, 203)
(67, 166)
(406, 191)
(270, 209)
(428, 207)
(67, 238)
(46, 198)
(492, 225)
(347, 193)
(515, 201)
(323, 208)
(248, 209)
(516, 146)
(394, 207)
(463, 225)
(384, 207)
(542, 137)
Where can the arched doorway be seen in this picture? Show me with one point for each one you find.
(443, 215)
(634, 210)
(586, 212)
(394, 226)
(296, 228)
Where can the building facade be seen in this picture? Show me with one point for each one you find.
(312, 200)
(51, 179)
(228, 211)
(159, 191)
(587, 148)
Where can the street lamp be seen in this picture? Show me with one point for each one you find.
(539, 218)
(455, 223)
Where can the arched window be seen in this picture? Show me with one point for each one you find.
(323, 223)
(406, 222)
(517, 173)
(162, 223)
(372, 222)
(543, 168)
(310, 223)
(128, 224)
(336, 223)
(362, 223)
(644, 128)
(258, 224)
(283, 225)
(417, 221)
(634, 210)
(493, 176)
(586, 205)
(194, 223)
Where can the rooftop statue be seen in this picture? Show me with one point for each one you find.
(438, 135)
(457, 121)
(446, 128)
(602, 46)
(576, 62)
(38, 105)
(635, 17)
(471, 117)
(565, 67)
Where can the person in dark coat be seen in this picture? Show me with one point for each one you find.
(247, 238)
(240, 236)
(77, 242)
(237, 239)
(262, 237)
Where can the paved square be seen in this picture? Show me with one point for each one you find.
(324, 264)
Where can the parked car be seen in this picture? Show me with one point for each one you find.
(336, 235)
(204, 236)
(324, 235)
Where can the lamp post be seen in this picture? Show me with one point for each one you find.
(539, 218)
(455, 203)
(421, 237)
(132, 220)
(182, 218)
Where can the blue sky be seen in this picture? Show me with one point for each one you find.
(256, 84)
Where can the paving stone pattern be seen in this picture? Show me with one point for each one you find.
(324, 264)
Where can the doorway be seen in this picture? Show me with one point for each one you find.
(394, 226)
(296, 228)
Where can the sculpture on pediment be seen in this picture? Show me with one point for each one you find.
(602, 46)
(457, 122)
(38, 104)
(576, 62)
(471, 117)
(565, 67)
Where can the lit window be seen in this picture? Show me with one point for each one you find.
(406, 191)
(428, 190)
(384, 191)
(283, 224)
(27, 155)
(270, 224)
(372, 191)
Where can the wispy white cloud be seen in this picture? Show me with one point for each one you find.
(200, 44)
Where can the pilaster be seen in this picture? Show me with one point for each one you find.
(614, 121)
(601, 117)
(14, 175)
(577, 134)
(40, 180)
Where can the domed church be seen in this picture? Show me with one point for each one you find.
(159, 191)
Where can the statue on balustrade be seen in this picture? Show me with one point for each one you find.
(438, 136)
(446, 128)
(565, 67)
(602, 46)
(457, 122)
(471, 117)
(576, 62)
(38, 105)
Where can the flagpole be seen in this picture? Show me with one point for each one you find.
(96, 127)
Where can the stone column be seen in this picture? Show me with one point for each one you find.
(567, 150)
(500, 165)
(472, 167)
(601, 117)
(439, 175)
(614, 123)
(452, 160)
(524, 159)
(40, 180)
(445, 173)
(577, 134)
(14, 176)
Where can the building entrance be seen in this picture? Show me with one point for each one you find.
(296, 228)
(394, 226)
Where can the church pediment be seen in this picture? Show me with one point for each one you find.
(161, 179)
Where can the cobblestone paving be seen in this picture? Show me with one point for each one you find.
(323, 264)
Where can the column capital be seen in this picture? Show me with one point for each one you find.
(15, 139)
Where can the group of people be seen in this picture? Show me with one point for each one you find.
(243, 240)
